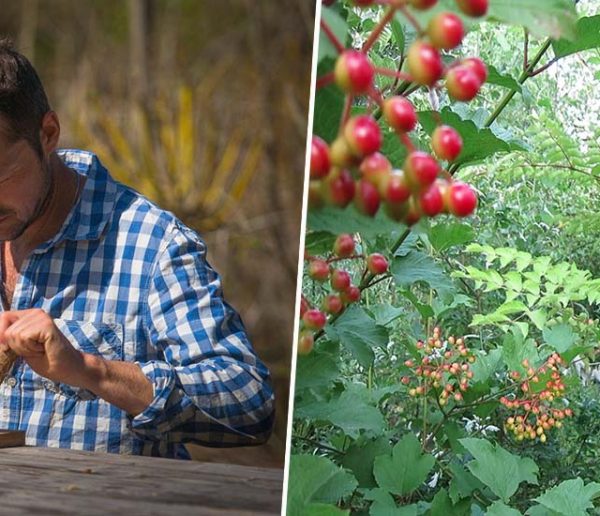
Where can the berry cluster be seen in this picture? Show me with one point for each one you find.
(352, 168)
(338, 290)
(443, 368)
(534, 409)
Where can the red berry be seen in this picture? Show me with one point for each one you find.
(443, 185)
(306, 341)
(318, 270)
(340, 153)
(363, 3)
(304, 306)
(332, 304)
(413, 213)
(445, 31)
(396, 189)
(338, 188)
(315, 196)
(423, 4)
(363, 135)
(431, 201)
(473, 7)
(314, 319)
(446, 143)
(351, 294)
(375, 168)
(461, 200)
(462, 83)
(344, 245)
(424, 63)
(340, 280)
(377, 264)
(319, 158)
(366, 198)
(478, 66)
(400, 114)
(353, 72)
(421, 169)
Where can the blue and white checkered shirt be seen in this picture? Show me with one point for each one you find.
(128, 281)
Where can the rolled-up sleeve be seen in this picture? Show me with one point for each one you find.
(209, 385)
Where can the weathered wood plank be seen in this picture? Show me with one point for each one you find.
(54, 481)
(10, 438)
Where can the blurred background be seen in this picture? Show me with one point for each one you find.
(201, 105)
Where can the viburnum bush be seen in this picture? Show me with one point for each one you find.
(432, 377)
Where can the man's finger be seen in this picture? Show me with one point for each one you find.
(6, 320)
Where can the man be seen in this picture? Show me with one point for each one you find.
(123, 342)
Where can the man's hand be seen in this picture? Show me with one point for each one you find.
(32, 335)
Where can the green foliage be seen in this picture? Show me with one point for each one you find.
(405, 470)
(517, 280)
(499, 469)
(317, 481)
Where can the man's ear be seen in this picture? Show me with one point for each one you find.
(49, 133)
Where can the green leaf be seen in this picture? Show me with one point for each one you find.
(486, 365)
(321, 509)
(560, 337)
(398, 33)
(499, 469)
(587, 36)
(360, 457)
(384, 505)
(417, 266)
(504, 80)
(479, 143)
(514, 351)
(393, 149)
(358, 333)
(500, 509)
(338, 27)
(337, 221)
(424, 309)
(386, 314)
(316, 370)
(571, 497)
(463, 483)
(319, 242)
(446, 235)
(552, 18)
(538, 317)
(316, 479)
(406, 469)
(443, 506)
(329, 104)
(350, 412)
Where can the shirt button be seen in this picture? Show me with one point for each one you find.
(11, 381)
(50, 386)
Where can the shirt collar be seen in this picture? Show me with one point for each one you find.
(95, 206)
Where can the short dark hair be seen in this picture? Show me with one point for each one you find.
(23, 101)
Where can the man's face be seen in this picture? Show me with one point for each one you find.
(24, 186)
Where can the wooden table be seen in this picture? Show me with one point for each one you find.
(45, 481)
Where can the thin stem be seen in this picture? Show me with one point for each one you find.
(526, 51)
(325, 80)
(332, 37)
(393, 73)
(510, 94)
(346, 112)
(413, 21)
(544, 67)
(376, 32)
(318, 444)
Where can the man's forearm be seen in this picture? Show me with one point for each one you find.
(120, 383)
